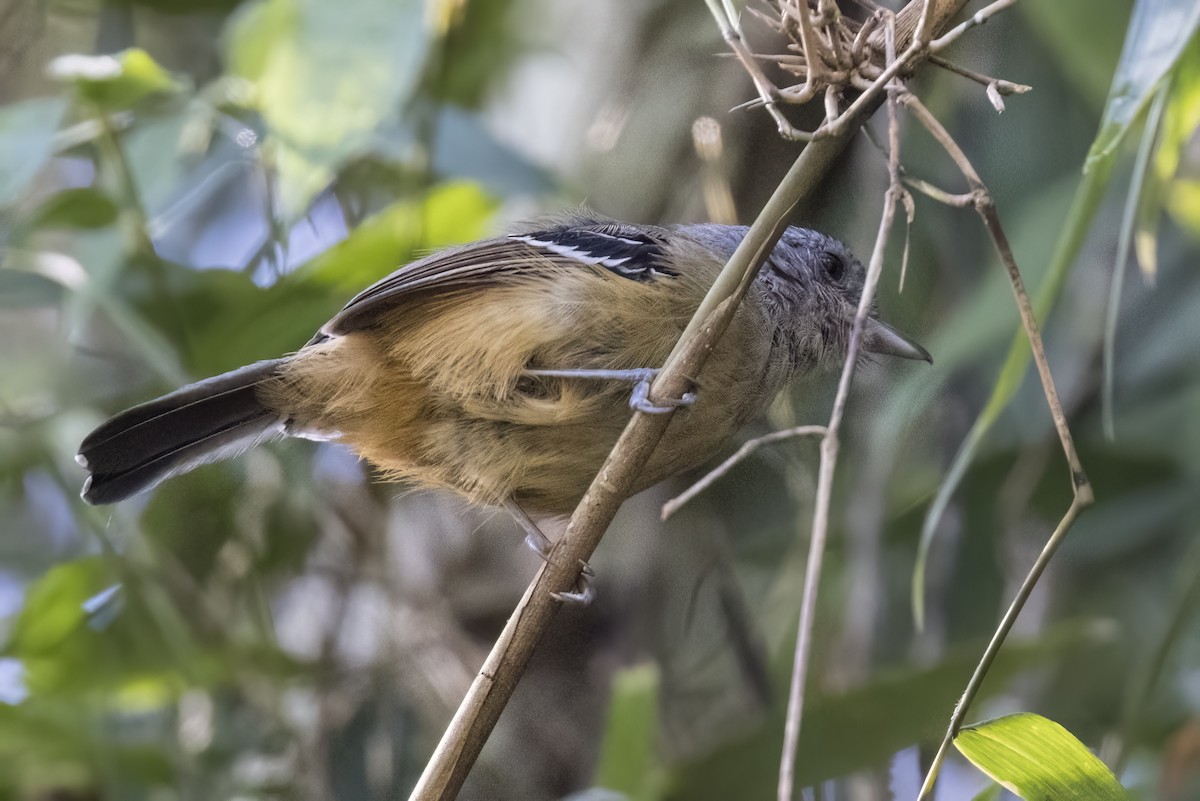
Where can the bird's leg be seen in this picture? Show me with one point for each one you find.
(641, 378)
(540, 544)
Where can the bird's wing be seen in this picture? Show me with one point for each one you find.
(631, 252)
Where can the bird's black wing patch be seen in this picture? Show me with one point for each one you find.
(636, 253)
(621, 249)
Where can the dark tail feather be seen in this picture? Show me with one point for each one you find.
(209, 420)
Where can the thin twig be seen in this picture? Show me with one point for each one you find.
(996, 87)
(986, 208)
(921, 185)
(1082, 488)
(830, 444)
(978, 18)
(939, 194)
(767, 91)
(816, 64)
(839, 56)
(672, 506)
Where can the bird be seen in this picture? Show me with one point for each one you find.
(504, 370)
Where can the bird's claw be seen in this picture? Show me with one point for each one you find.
(584, 593)
(640, 400)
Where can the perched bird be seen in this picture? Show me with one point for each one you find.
(502, 370)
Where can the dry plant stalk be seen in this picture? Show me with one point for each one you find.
(981, 199)
(493, 686)
(824, 49)
(830, 444)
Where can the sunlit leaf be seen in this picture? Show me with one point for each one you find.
(1038, 760)
(55, 744)
(1158, 32)
(325, 76)
(70, 642)
(1180, 124)
(26, 141)
(113, 82)
(449, 214)
(54, 606)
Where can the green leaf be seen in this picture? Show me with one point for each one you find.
(325, 76)
(1158, 32)
(113, 82)
(86, 207)
(26, 141)
(1038, 760)
(1181, 187)
(449, 214)
(628, 757)
(54, 607)
(76, 635)
(482, 42)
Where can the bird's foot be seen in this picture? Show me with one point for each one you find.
(540, 544)
(641, 379)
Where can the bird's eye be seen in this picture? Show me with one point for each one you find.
(833, 265)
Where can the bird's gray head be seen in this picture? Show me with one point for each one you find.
(813, 284)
